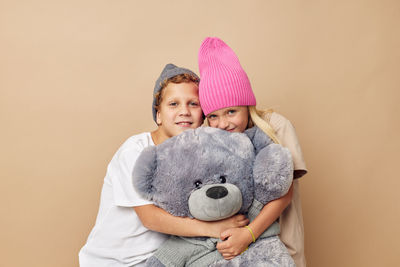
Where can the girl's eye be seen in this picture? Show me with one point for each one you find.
(232, 111)
(222, 179)
(198, 184)
(211, 117)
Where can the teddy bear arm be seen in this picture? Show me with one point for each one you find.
(258, 138)
(143, 172)
(273, 173)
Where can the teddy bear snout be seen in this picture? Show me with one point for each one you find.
(217, 192)
(215, 202)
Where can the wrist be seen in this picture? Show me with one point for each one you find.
(208, 229)
(252, 236)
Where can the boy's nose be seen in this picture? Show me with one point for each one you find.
(184, 110)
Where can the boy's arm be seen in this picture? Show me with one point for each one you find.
(157, 219)
(240, 238)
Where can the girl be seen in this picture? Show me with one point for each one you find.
(227, 100)
(121, 235)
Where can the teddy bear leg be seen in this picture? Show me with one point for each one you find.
(266, 252)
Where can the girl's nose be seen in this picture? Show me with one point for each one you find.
(223, 124)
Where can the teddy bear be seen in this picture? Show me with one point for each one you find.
(211, 174)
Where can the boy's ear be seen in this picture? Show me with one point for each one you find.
(158, 118)
(143, 172)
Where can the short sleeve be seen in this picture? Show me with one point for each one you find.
(287, 136)
(120, 173)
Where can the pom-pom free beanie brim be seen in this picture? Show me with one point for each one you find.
(223, 82)
(169, 71)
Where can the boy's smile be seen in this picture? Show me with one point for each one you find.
(184, 123)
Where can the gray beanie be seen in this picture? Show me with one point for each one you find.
(169, 71)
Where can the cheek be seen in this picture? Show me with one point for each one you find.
(242, 123)
(213, 123)
(199, 114)
(197, 117)
(171, 114)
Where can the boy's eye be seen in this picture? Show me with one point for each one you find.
(195, 104)
(173, 104)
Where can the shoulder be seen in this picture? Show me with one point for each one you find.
(276, 120)
(135, 144)
(286, 134)
(141, 140)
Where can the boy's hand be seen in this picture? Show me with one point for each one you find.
(235, 221)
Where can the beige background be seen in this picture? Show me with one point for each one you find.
(76, 79)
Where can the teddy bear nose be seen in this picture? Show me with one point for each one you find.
(216, 192)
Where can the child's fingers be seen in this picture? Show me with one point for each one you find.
(225, 252)
(227, 256)
(244, 222)
(224, 247)
(225, 234)
(240, 217)
(240, 220)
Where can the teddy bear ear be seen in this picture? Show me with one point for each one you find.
(143, 172)
(258, 138)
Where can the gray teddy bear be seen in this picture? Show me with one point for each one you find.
(211, 174)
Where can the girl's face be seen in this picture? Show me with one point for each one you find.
(179, 109)
(232, 119)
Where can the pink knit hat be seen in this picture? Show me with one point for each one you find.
(223, 82)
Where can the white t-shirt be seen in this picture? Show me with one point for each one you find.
(119, 237)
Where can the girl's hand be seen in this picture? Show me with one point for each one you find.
(236, 241)
(225, 224)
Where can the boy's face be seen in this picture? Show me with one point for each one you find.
(179, 109)
(232, 119)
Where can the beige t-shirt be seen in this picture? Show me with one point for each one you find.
(291, 220)
(287, 136)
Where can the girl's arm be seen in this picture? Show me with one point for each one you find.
(157, 219)
(239, 238)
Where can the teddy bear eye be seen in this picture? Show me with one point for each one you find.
(222, 178)
(197, 184)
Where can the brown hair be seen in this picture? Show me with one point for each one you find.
(180, 78)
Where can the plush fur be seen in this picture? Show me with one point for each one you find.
(211, 174)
